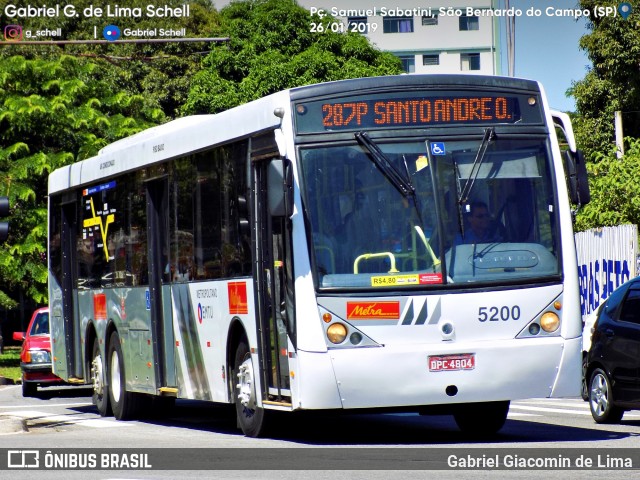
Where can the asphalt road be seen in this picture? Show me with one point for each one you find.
(315, 446)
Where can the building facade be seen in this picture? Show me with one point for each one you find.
(456, 36)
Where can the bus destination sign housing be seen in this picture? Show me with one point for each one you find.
(389, 110)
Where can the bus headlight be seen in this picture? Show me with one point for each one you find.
(549, 322)
(336, 333)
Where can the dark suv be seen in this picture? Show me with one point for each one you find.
(613, 362)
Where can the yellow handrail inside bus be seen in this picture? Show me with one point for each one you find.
(367, 256)
(423, 237)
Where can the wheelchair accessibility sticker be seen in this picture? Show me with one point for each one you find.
(437, 148)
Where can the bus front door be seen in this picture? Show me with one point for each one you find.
(274, 290)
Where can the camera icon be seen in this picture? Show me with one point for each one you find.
(12, 33)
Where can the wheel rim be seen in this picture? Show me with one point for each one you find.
(115, 377)
(246, 392)
(599, 395)
(96, 375)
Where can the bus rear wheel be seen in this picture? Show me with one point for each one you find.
(123, 403)
(484, 418)
(251, 418)
(98, 377)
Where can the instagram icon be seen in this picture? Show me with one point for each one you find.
(13, 33)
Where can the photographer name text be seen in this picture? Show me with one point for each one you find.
(110, 11)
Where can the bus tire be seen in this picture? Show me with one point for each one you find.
(601, 399)
(251, 418)
(485, 418)
(98, 379)
(123, 403)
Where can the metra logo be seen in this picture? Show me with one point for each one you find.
(237, 292)
(377, 310)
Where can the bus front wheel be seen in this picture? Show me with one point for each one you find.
(484, 418)
(123, 403)
(251, 418)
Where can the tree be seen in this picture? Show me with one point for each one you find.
(60, 104)
(53, 112)
(613, 82)
(271, 49)
(614, 183)
(161, 72)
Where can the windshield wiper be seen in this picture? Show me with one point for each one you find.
(400, 183)
(489, 135)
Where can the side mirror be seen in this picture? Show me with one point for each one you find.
(578, 181)
(19, 336)
(280, 187)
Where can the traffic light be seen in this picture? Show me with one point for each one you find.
(4, 211)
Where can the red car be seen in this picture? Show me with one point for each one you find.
(35, 356)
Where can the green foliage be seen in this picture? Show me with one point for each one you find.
(614, 183)
(613, 82)
(52, 113)
(10, 363)
(161, 72)
(272, 49)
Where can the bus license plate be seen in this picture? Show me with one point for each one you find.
(463, 361)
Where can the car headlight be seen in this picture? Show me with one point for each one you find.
(38, 356)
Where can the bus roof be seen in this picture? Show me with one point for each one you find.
(172, 139)
(454, 81)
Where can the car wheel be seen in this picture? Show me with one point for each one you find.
(29, 389)
(601, 399)
(482, 418)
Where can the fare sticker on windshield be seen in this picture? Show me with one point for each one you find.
(406, 280)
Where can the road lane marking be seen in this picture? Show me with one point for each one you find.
(83, 404)
(38, 418)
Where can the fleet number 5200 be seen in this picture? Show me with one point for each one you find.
(495, 314)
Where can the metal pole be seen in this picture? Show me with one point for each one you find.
(617, 116)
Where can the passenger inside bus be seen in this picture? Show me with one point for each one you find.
(357, 224)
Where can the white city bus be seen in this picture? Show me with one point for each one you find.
(319, 249)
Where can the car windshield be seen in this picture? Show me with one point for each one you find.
(40, 325)
(407, 214)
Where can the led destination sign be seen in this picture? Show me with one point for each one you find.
(386, 111)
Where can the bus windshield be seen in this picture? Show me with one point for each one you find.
(408, 214)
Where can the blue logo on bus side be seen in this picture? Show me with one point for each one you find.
(148, 298)
(437, 148)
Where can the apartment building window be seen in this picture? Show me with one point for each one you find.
(469, 23)
(408, 63)
(429, 20)
(431, 59)
(353, 22)
(397, 24)
(469, 61)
